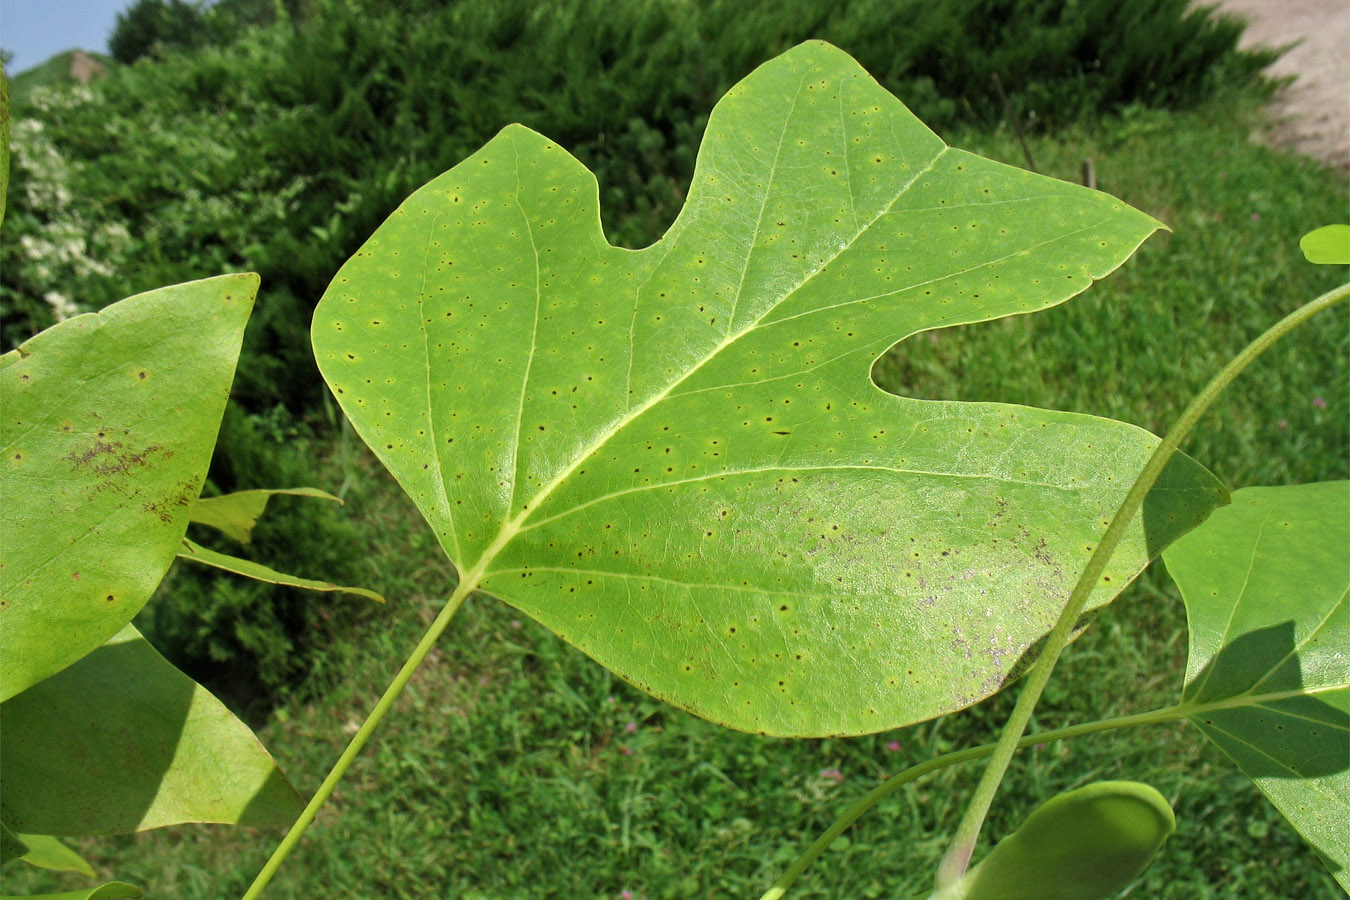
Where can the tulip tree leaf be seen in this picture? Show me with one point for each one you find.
(46, 852)
(1328, 245)
(1084, 844)
(235, 515)
(197, 553)
(1265, 583)
(675, 457)
(107, 424)
(121, 741)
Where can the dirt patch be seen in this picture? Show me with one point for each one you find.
(83, 67)
(1312, 115)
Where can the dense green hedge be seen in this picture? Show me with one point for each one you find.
(280, 150)
(278, 147)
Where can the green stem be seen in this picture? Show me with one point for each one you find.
(895, 782)
(344, 761)
(957, 859)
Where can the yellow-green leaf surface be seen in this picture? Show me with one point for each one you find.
(1328, 245)
(194, 552)
(1265, 583)
(46, 852)
(1084, 844)
(675, 457)
(122, 741)
(112, 890)
(234, 515)
(107, 423)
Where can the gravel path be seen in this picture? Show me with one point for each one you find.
(1313, 113)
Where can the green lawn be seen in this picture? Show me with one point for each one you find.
(515, 767)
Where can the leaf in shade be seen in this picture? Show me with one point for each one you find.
(121, 741)
(235, 515)
(1084, 844)
(675, 457)
(257, 571)
(107, 424)
(1265, 582)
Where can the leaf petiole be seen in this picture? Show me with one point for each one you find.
(358, 741)
(899, 780)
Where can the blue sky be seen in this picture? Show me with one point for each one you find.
(34, 30)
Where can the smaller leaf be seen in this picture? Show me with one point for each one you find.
(1266, 582)
(235, 514)
(107, 425)
(122, 741)
(46, 852)
(1328, 245)
(1084, 844)
(257, 571)
(113, 890)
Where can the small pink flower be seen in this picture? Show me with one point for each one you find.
(1319, 403)
(893, 746)
(626, 751)
(630, 728)
(515, 623)
(625, 895)
(832, 775)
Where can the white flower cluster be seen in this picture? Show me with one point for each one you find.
(62, 242)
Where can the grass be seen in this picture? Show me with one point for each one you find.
(515, 767)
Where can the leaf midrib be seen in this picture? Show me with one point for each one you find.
(514, 525)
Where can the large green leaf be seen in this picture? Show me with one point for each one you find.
(1084, 844)
(122, 741)
(675, 457)
(1265, 583)
(107, 423)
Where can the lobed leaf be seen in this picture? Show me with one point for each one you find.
(121, 741)
(675, 457)
(1265, 583)
(107, 423)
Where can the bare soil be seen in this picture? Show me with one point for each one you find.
(1312, 115)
